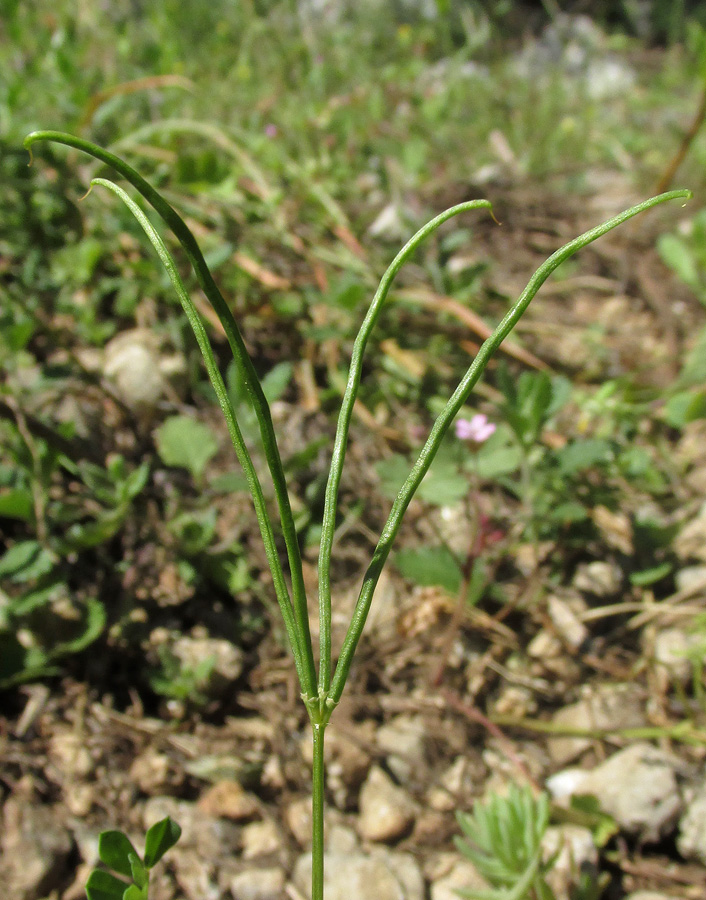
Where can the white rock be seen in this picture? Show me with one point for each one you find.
(341, 840)
(194, 875)
(609, 706)
(463, 876)
(150, 770)
(386, 811)
(671, 656)
(637, 786)
(228, 800)
(210, 837)
(649, 895)
(388, 224)
(35, 851)
(692, 829)
(576, 851)
(568, 625)
(227, 661)
(402, 739)
(384, 875)
(602, 579)
(566, 783)
(260, 839)
(544, 645)
(691, 577)
(68, 751)
(141, 373)
(132, 362)
(454, 782)
(690, 543)
(258, 884)
(297, 816)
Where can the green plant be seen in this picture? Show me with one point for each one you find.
(504, 842)
(320, 690)
(116, 851)
(42, 619)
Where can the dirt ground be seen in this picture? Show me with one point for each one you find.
(463, 698)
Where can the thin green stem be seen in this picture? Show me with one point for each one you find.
(344, 419)
(444, 420)
(229, 413)
(317, 815)
(245, 365)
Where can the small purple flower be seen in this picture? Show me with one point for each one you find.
(271, 130)
(477, 429)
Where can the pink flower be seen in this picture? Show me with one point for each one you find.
(271, 130)
(477, 429)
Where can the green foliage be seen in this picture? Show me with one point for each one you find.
(503, 838)
(444, 485)
(430, 566)
(183, 441)
(36, 601)
(530, 401)
(181, 682)
(117, 852)
(527, 406)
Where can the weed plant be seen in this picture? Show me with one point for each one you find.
(321, 685)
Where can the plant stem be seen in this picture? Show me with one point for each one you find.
(317, 815)
(444, 420)
(247, 371)
(328, 525)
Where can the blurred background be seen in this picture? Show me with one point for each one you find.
(304, 142)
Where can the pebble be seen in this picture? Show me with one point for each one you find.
(691, 578)
(194, 875)
(636, 786)
(615, 527)
(258, 884)
(544, 645)
(462, 876)
(297, 816)
(347, 763)
(649, 895)
(151, 771)
(690, 543)
(671, 656)
(260, 839)
(602, 579)
(79, 798)
(383, 873)
(227, 661)
(692, 828)
(609, 706)
(68, 751)
(575, 853)
(36, 850)
(402, 740)
(208, 836)
(569, 627)
(141, 373)
(228, 800)
(341, 840)
(386, 811)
